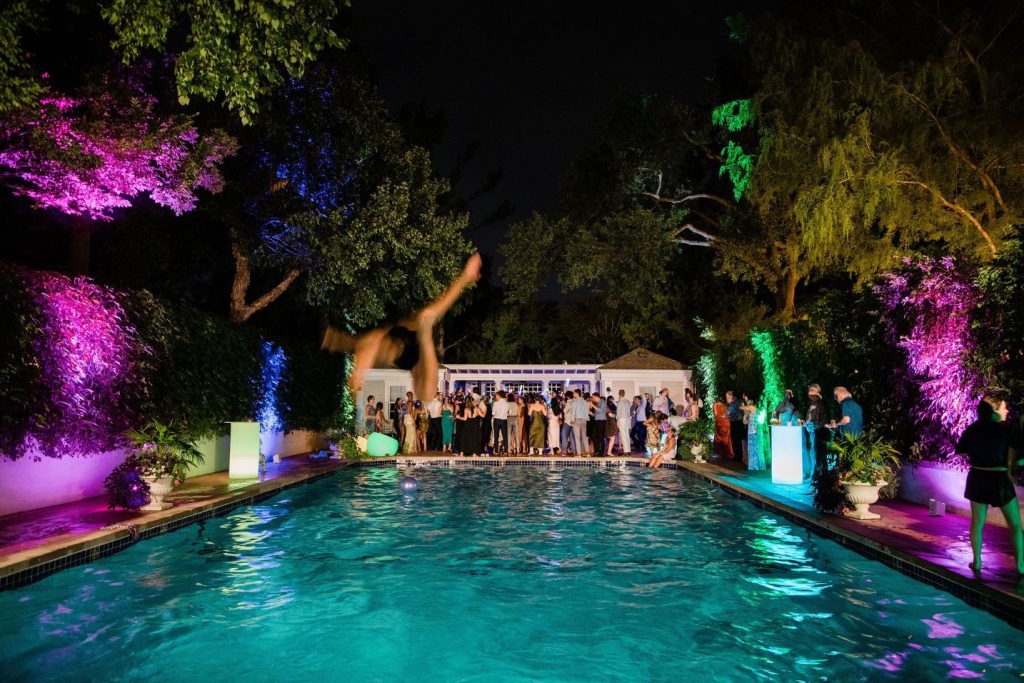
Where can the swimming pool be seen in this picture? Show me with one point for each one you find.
(497, 574)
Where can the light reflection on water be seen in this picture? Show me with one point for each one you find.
(518, 574)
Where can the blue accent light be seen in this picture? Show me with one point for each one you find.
(267, 408)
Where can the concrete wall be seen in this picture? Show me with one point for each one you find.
(29, 484)
(929, 480)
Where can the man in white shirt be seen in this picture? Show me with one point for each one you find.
(499, 410)
(623, 420)
(434, 431)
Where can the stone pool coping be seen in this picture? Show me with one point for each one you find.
(98, 532)
(214, 495)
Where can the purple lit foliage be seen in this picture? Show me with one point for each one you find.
(937, 299)
(88, 357)
(91, 154)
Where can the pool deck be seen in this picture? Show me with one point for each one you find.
(935, 550)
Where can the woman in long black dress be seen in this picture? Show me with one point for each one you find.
(469, 425)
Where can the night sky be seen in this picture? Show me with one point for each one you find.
(529, 79)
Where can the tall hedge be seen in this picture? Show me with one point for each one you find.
(152, 360)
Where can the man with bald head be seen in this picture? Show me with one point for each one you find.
(852, 421)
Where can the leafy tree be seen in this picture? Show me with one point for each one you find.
(873, 146)
(235, 51)
(335, 193)
(93, 153)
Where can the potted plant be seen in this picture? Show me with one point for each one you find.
(159, 460)
(693, 439)
(864, 465)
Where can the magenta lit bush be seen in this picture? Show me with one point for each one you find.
(930, 304)
(88, 359)
(81, 364)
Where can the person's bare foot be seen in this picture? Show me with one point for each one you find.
(975, 567)
(471, 272)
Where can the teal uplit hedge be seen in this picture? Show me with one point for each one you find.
(82, 363)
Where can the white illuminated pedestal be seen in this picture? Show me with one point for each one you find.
(787, 454)
(244, 450)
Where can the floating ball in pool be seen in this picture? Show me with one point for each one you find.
(381, 445)
(408, 484)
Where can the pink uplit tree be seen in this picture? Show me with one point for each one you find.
(937, 298)
(96, 152)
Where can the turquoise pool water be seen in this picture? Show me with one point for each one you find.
(496, 575)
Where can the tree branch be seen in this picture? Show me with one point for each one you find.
(241, 311)
(957, 151)
(955, 208)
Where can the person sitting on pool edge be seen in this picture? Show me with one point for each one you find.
(986, 444)
(668, 448)
(407, 345)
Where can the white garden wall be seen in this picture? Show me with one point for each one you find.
(28, 484)
(929, 480)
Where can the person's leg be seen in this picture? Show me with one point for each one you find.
(624, 437)
(579, 432)
(425, 372)
(979, 511)
(365, 346)
(501, 434)
(1011, 511)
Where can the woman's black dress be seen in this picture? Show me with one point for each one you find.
(469, 443)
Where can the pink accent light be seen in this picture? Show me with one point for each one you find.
(89, 155)
(938, 298)
(87, 353)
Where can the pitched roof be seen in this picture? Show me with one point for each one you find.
(642, 359)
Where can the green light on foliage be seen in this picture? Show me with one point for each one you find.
(734, 116)
(739, 28)
(764, 345)
(348, 406)
(707, 368)
(739, 165)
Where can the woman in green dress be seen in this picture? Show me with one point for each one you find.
(447, 426)
(537, 411)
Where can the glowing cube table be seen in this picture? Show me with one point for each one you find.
(244, 450)
(787, 454)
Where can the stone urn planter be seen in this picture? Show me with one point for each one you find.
(158, 488)
(862, 495)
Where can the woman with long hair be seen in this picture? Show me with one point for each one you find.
(447, 426)
(422, 426)
(537, 412)
(469, 430)
(723, 436)
(554, 416)
(409, 421)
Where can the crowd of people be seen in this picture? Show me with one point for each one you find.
(738, 437)
(558, 423)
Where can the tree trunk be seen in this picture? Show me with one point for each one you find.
(240, 310)
(80, 247)
(785, 293)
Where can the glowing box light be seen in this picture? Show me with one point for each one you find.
(787, 455)
(244, 450)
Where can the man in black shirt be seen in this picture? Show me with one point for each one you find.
(816, 434)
